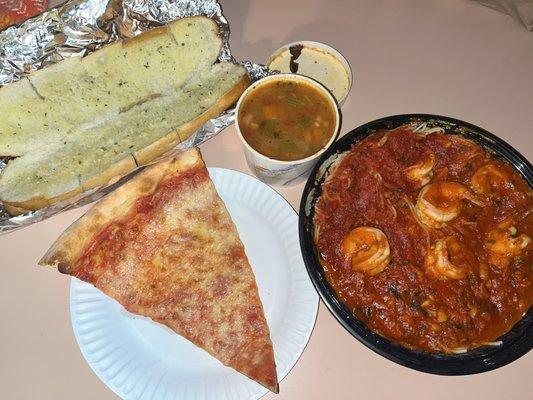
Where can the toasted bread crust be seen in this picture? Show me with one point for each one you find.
(15, 210)
(21, 207)
(116, 170)
(166, 143)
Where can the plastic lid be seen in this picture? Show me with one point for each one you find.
(317, 61)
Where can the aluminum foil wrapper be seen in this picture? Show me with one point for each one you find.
(80, 27)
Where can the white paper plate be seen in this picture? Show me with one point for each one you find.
(139, 359)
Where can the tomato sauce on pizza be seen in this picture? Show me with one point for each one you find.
(174, 255)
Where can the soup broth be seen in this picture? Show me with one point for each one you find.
(287, 120)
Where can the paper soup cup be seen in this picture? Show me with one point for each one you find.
(280, 172)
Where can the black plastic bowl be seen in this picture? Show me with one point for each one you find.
(517, 342)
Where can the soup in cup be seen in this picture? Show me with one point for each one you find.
(286, 122)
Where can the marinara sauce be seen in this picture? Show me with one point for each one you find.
(369, 186)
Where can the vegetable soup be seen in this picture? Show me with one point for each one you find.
(287, 120)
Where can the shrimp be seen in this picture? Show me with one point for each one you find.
(368, 249)
(487, 178)
(442, 202)
(445, 259)
(504, 243)
(422, 172)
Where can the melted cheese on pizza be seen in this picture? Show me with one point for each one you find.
(176, 257)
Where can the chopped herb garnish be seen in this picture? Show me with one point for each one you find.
(304, 121)
(293, 102)
(367, 312)
(270, 127)
(519, 260)
(394, 290)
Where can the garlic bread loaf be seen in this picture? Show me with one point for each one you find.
(111, 111)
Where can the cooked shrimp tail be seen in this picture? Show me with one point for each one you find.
(504, 243)
(442, 202)
(368, 249)
(445, 259)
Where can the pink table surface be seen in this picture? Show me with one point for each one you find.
(449, 57)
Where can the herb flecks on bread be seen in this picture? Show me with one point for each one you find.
(77, 124)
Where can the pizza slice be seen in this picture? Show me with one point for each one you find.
(164, 246)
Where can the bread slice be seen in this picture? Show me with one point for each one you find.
(207, 95)
(197, 33)
(67, 81)
(154, 63)
(170, 87)
(83, 92)
(42, 174)
(227, 77)
(23, 116)
(172, 57)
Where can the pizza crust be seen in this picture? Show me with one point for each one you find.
(69, 246)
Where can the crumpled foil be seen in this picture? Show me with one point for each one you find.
(80, 27)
